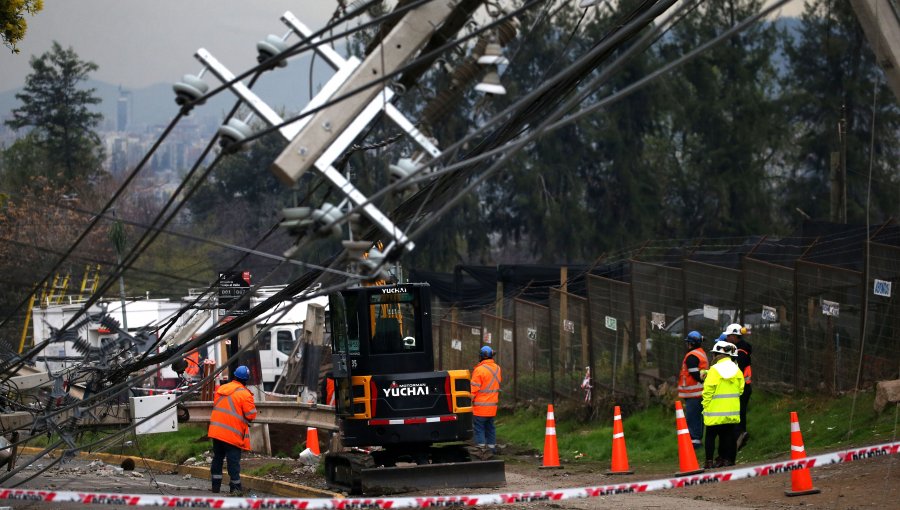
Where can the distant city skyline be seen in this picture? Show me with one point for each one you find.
(138, 44)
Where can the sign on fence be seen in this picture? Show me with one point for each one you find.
(882, 288)
(658, 320)
(456, 344)
(476, 331)
(532, 334)
(611, 323)
(487, 337)
(569, 326)
(507, 335)
(769, 314)
(711, 312)
(832, 308)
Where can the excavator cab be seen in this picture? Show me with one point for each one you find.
(392, 402)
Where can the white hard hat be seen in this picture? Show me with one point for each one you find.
(723, 347)
(734, 329)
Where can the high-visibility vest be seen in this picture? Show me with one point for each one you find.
(232, 413)
(722, 390)
(748, 370)
(687, 388)
(193, 363)
(486, 379)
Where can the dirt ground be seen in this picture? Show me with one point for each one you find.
(871, 483)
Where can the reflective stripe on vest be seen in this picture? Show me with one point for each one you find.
(488, 397)
(685, 388)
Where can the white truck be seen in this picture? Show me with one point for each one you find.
(274, 348)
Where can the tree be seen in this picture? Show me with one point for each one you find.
(722, 128)
(58, 113)
(12, 20)
(831, 66)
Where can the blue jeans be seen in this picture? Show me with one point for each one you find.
(693, 414)
(223, 451)
(485, 433)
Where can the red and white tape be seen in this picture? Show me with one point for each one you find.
(446, 501)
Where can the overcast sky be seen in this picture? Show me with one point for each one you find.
(139, 43)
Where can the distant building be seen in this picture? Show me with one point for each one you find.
(123, 107)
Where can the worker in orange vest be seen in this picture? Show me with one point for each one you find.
(229, 428)
(486, 379)
(193, 365)
(690, 385)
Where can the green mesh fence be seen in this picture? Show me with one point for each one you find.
(532, 334)
(658, 292)
(460, 344)
(612, 336)
(881, 356)
(499, 334)
(712, 296)
(570, 341)
(768, 296)
(828, 326)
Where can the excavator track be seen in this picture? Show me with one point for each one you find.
(357, 473)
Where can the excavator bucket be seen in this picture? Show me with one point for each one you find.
(390, 480)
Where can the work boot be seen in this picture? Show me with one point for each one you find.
(709, 464)
(236, 490)
(217, 486)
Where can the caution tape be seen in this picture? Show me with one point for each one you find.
(451, 501)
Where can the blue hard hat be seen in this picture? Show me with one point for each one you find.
(242, 373)
(694, 337)
(487, 352)
(723, 337)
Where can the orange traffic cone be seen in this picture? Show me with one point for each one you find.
(551, 452)
(687, 459)
(619, 455)
(312, 440)
(801, 481)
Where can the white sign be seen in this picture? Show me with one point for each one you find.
(487, 337)
(507, 335)
(832, 308)
(657, 320)
(711, 312)
(476, 331)
(611, 323)
(769, 314)
(456, 344)
(532, 334)
(569, 325)
(882, 288)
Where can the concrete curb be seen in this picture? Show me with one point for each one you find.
(276, 487)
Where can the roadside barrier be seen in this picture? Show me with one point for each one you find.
(446, 501)
(551, 451)
(687, 457)
(801, 480)
(619, 464)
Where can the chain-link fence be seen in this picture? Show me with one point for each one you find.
(807, 301)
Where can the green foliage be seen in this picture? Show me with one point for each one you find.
(12, 20)
(831, 66)
(62, 146)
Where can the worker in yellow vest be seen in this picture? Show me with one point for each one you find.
(722, 390)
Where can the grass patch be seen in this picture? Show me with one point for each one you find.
(271, 468)
(653, 445)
